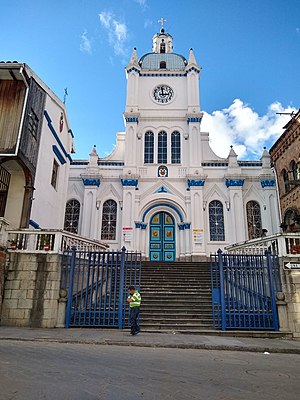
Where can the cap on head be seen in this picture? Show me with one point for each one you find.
(131, 287)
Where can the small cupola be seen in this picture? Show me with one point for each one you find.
(162, 41)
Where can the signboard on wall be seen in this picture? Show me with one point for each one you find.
(198, 235)
(127, 233)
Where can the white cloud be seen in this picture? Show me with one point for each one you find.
(116, 30)
(85, 45)
(240, 126)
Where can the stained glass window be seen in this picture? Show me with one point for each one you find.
(149, 148)
(162, 150)
(216, 221)
(109, 220)
(72, 216)
(175, 148)
(253, 219)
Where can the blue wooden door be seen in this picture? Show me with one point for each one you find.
(162, 237)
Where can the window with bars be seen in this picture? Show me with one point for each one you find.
(162, 149)
(109, 220)
(216, 221)
(149, 148)
(72, 216)
(175, 148)
(253, 219)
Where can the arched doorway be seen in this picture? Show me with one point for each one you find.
(162, 245)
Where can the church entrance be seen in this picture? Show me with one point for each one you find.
(162, 237)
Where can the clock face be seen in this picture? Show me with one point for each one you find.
(163, 94)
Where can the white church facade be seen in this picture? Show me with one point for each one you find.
(163, 191)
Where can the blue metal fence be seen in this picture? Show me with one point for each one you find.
(97, 285)
(244, 291)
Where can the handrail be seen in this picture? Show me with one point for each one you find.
(50, 240)
(282, 244)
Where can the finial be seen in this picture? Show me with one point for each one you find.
(162, 21)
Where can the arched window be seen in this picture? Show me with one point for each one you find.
(285, 180)
(216, 221)
(162, 150)
(253, 219)
(72, 216)
(175, 148)
(149, 148)
(109, 220)
(162, 65)
(295, 170)
(163, 47)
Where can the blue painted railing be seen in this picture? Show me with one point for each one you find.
(244, 291)
(97, 285)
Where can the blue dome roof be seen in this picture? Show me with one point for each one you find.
(151, 61)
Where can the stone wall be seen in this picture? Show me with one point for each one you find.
(31, 290)
(291, 298)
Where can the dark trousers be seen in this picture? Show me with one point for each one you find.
(134, 322)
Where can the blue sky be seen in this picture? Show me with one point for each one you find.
(249, 52)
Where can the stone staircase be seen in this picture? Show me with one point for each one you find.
(176, 296)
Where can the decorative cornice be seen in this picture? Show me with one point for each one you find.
(234, 182)
(267, 183)
(187, 225)
(91, 182)
(132, 119)
(129, 182)
(193, 119)
(189, 69)
(196, 182)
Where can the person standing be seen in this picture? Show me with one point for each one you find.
(134, 300)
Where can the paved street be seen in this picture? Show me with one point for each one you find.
(45, 370)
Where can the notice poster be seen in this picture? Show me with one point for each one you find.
(127, 234)
(198, 235)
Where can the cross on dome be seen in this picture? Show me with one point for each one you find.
(162, 21)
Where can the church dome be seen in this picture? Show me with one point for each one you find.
(157, 61)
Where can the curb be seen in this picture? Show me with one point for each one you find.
(252, 349)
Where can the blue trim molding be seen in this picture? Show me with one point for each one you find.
(129, 182)
(58, 154)
(234, 182)
(268, 183)
(132, 119)
(56, 135)
(91, 182)
(162, 189)
(193, 69)
(34, 224)
(162, 205)
(196, 119)
(196, 182)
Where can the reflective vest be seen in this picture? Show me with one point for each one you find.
(136, 297)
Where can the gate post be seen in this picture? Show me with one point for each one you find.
(121, 289)
(222, 294)
(70, 292)
(272, 291)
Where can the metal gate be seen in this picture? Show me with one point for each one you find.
(97, 285)
(244, 290)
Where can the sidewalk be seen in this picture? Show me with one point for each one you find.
(117, 337)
